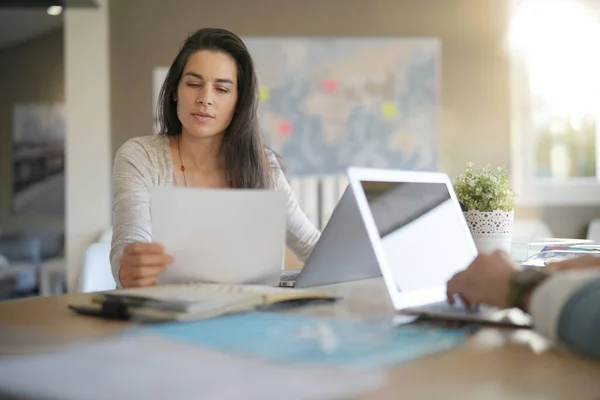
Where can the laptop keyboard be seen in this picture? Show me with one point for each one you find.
(456, 309)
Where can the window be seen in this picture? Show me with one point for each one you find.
(555, 86)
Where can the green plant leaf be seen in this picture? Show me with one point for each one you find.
(484, 189)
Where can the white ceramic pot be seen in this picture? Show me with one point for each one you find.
(491, 230)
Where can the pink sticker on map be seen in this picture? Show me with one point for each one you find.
(285, 128)
(330, 85)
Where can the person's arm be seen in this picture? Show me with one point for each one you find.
(301, 235)
(131, 202)
(565, 304)
(566, 309)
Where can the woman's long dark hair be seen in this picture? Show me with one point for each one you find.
(247, 163)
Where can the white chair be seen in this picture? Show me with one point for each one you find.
(594, 231)
(96, 274)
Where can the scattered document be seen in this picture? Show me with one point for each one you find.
(218, 235)
(150, 367)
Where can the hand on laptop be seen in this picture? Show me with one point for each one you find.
(142, 263)
(486, 281)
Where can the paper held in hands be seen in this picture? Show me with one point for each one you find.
(219, 235)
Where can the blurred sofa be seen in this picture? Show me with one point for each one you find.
(28, 254)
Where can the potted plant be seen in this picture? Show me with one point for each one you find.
(487, 201)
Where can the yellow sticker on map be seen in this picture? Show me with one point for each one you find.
(264, 94)
(389, 110)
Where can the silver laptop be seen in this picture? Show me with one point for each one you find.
(420, 239)
(342, 254)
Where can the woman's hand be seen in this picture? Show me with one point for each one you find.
(142, 263)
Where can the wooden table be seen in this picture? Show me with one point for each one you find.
(494, 364)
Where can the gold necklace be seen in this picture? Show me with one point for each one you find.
(182, 168)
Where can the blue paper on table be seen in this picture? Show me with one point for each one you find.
(301, 339)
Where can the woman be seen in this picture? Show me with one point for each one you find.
(209, 137)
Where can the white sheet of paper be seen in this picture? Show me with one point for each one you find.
(150, 367)
(217, 235)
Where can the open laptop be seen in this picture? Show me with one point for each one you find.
(420, 239)
(342, 254)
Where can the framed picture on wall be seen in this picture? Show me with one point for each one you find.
(38, 159)
(329, 103)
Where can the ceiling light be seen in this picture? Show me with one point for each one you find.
(54, 10)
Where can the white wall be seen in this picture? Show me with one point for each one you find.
(88, 169)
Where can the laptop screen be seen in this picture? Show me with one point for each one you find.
(422, 232)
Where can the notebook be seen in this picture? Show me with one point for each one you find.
(191, 301)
